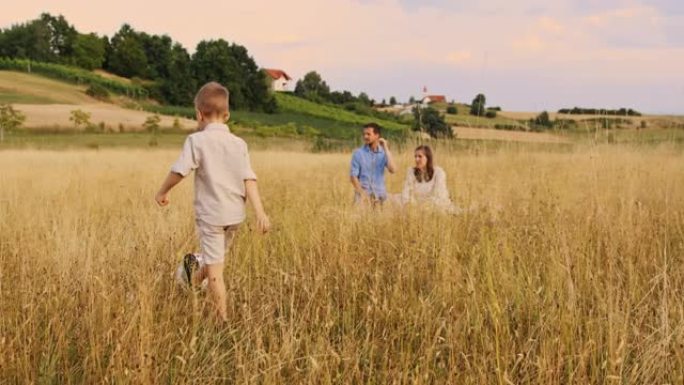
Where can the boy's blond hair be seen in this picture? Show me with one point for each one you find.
(212, 100)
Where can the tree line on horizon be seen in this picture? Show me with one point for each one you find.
(312, 87)
(169, 73)
(599, 111)
(164, 67)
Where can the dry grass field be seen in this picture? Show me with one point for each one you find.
(658, 121)
(57, 116)
(571, 272)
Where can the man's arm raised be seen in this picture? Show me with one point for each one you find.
(391, 167)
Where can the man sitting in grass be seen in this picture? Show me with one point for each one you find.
(368, 167)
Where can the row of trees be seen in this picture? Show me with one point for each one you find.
(312, 87)
(163, 66)
(599, 111)
(53, 40)
(543, 122)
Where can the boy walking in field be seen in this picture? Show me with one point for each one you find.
(224, 180)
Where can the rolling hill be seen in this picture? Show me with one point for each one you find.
(48, 103)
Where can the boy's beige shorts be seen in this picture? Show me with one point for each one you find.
(214, 241)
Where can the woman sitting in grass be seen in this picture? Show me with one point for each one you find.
(425, 184)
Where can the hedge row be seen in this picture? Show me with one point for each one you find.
(599, 111)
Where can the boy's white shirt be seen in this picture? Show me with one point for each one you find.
(221, 163)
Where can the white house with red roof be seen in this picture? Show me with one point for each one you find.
(429, 99)
(280, 80)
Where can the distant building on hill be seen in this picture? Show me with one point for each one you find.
(280, 80)
(429, 99)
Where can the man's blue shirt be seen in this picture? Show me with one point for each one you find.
(369, 167)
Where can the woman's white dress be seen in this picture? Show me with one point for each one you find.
(433, 192)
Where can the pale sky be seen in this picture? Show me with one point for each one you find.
(522, 54)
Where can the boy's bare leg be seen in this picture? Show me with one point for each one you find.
(217, 288)
(199, 276)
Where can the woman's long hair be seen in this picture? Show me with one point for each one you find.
(420, 176)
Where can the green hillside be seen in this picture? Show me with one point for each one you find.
(74, 75)
(299, 116)
(296, 117)
(23, 88)
(292, 103)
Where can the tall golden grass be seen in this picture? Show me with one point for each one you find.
(575, 277)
